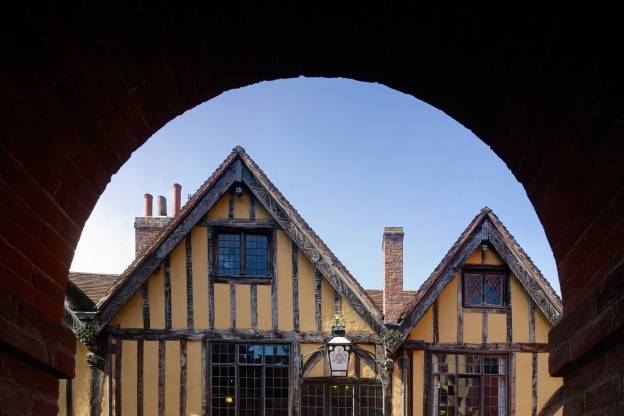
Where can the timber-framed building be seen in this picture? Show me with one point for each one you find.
(229, 303)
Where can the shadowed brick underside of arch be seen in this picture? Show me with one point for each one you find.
(85, 85)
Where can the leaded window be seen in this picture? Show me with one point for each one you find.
(484, 289)
(321, 397)
(468, 385)
(242, 254)
(250, 379)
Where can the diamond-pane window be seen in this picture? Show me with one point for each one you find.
(484, 289)
(242, 254)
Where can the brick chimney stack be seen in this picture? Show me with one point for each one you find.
(146, 227)
(392, 249)
(177, 198)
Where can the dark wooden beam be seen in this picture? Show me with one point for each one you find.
(531, 320)
(252, 208)
(317, 300)
(69, 397)
(167, 297)
(231, 280)
(534, 384)
(161, 377)
(95, 391)
(337, 303)
(508, 310)
(146, 267)
(139, 387)
(484, 327)
(183, 376)
(204, 377)
(460, 311)
(231, 204)
(146, 308)
(232, 306)
(485, 348)
(410, 385)
(196, 334)
(274, 272)
(295, 284)
(311, 362)
(211, 300)
(512, 384)
(189, 281)
(118, 377)
(295, 379)
(553, 404)
(384, 373)
(109, 372)
(436, 323)
(254, 306)
(267, 224)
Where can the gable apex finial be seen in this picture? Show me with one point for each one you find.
(238, 149)
(486, 209)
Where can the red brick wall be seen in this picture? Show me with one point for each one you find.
(392, 249)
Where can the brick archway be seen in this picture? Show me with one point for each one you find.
(84, 86)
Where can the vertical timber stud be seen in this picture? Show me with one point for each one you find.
(512, 384)
(274, 311)
(508, 311)
(254, 306)
(69, 399)
(118, 378)
(204, 374)
(139, 364)
(295, 383)
(211, 311)
(484, 327)
(189, 282)
(337, 303)
(232, 306)
(410, 384)
(317, 299)
(436, 323)
(167, 292)
(146, 310)
(426, 404)
(252, 207)
(533, 358)
(183, 376)
(295, 285)
(460, 314)
(231, 203)
(385, 374)
(109, 373)
(404, 379)
(95, 391)
(161, 377)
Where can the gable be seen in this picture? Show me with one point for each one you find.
(211, 199)
(240, 304)
(484, 228)
(471, 321)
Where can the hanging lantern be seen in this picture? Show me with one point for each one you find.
(338, 349)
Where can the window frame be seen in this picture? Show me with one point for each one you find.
(429, 377)
(503, 272)
(354, 382)
(236, 364)
(242, 232)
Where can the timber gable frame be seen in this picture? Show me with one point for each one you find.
(238, 167)
(485, 227)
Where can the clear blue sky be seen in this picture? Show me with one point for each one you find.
(351, 157)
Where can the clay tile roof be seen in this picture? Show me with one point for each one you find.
(94, 285)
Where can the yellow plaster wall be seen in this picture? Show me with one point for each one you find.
(80, 394)
(397, 391)
(284, 281)
(62, 395)
(497, 327)
(199, 239)
(306, 294)
(261, 212)
(327, 305)
(131, 315)
(193, 383)
(150, 377)
(418, 387)
(353, 321)
(546, 385)
(129, 377)
(243, 306)
(491, 257)
(178, 286)
(263, 298)
(519, 311)
(319, 368)
(365, 370)
(241, 206)
(424, 328)
(222, 305)
(542, 326)
(172, 377)
(220, 208)
(473, 327)
(156, 287)
(523, 383)
(447, 312)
